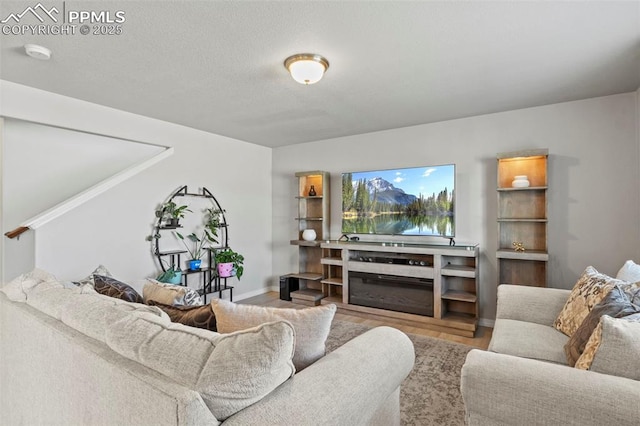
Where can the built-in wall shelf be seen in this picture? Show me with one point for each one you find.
(522, 218)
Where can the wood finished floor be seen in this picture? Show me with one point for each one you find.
(481, 339)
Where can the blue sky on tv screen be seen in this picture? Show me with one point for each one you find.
(417, 180)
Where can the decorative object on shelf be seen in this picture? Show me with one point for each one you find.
(520, 181)
(235, 259)
(312, 191)
(173, 275)
(309, 235)
(306, 68)
(518, 246)
(172, 213)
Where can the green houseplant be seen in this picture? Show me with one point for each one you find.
(226, 257)
(173, 275)
(172, 213)
(200, 243)
(195, 249)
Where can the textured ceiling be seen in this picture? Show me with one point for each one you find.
(217, 66)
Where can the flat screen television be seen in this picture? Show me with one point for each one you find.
(408, 201)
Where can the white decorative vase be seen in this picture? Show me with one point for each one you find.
(309, 235)
(520, 181)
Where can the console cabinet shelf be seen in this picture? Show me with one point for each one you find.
(522, 218)
(452, 271)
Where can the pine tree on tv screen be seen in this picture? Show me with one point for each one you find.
(410, 201)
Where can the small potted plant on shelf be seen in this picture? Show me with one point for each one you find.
(173, 275)
(172, 213)
(229, 263)
(201, 243)
(196, 249)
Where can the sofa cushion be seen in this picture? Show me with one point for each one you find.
(619, 302)
(312, 325)
(18, 289)
(613, 348)
(170, 294)
(52, 300)
(230, 371)
(528, 340)
(193, 316)
(588, 291)
(92, 314)
(630, 271)
(109, 286)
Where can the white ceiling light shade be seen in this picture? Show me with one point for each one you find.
(37, 52)
(306, 68)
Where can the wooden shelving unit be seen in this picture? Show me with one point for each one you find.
(452, 269)
(313, 213)
(522, 217)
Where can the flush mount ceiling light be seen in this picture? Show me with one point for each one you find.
(38, 52)
(306, 68)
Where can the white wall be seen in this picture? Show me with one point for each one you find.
(594, 203)
(111, 228)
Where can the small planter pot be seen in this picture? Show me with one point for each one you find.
(177, 278)
(194, 264)
(173, 222)
(225, 270)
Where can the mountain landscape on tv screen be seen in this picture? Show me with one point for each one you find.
(372, 204)
(386, 192)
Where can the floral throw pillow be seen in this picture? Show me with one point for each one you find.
(588, 291)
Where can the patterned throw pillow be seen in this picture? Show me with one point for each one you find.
(111, 287)
(619, 302)
(193, 316)
(590, 289)
(170, 294)
(311, 325)
(612, 346)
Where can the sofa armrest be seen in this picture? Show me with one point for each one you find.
(539, 305)
(357, 384)
(505, 390)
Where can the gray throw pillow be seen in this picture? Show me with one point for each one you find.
(618, 303)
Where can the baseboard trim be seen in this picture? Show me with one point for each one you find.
(484, 322)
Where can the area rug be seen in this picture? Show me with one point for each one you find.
(430, 395)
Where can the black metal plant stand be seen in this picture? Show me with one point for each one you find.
(208, 275)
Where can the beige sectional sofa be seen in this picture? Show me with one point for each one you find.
(71, 357)
(524, 378)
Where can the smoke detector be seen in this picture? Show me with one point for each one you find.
(37, 52)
